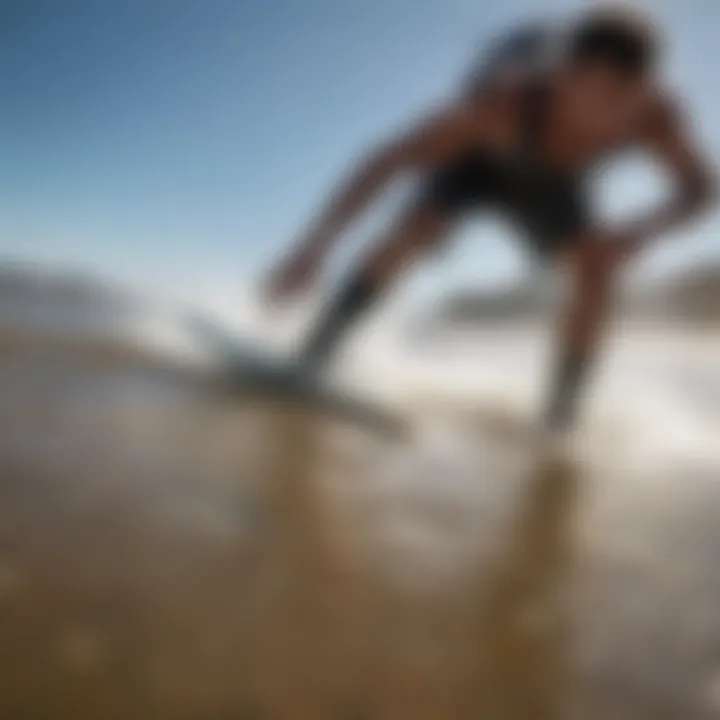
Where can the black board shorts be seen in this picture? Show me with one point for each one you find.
(548, 207)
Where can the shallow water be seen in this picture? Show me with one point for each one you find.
(167, 553)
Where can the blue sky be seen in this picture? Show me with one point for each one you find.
(184, 141)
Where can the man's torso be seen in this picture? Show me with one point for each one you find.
(534, 169)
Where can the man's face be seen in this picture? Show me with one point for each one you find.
(601, 95)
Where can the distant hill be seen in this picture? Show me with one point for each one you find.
(55, 313)
(513, 303)
(20, 281)
(692, 296)
(37, 299)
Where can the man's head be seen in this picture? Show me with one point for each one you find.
(612, 56)
(613, 51)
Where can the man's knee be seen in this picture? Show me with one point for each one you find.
(420, 231)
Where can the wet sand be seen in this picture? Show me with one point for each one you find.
(167, 554)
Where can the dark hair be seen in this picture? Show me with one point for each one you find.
(623, 42)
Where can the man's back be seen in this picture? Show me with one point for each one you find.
(518, 52)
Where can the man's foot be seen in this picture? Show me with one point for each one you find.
(566, 393)
(305, 376)
(554, 442)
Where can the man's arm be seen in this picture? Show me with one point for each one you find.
(670, 139)
(425, 145)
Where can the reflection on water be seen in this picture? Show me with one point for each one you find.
(167, 554)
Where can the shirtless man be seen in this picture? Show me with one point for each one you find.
(545, 107)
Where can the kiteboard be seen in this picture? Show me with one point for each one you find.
(246, 369)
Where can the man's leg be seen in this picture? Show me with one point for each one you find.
(592, 284)
(418, 230)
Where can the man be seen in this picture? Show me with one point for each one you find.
(546, 106)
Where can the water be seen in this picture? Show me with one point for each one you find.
(168, 553)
